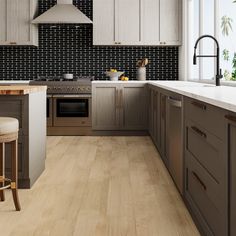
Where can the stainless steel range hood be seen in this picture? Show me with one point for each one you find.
(64, 12)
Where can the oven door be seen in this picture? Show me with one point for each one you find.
(72, 110)
(49, 110)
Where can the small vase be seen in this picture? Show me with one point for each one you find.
(141, 73)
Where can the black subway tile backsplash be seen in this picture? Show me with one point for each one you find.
(69, 49)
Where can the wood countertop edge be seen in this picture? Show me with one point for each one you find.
(21, 90)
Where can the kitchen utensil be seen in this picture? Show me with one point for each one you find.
(141, 73)
(143, 62)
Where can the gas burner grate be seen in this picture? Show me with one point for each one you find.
(60, 78)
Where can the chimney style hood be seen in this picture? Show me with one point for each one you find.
(64, 12)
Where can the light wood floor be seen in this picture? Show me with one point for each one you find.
(99, 186)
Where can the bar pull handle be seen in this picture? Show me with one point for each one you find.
(163, 107)
(175, 102)
(199, 132)
(199, 181)
(230, 118)
(121, 98)
(199, 105)
(154, 101)
(117, 98)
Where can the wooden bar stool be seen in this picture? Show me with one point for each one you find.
(9, 134)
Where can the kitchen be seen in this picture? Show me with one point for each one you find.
(121, 127)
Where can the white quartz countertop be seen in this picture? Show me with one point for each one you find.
(222, 96)
(14, 82)
(119, 81)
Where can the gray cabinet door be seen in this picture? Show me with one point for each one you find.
(134, 104)
(174, 136)
(232, 166)
(106, 107)
(156, 119)
(163, 99)
(154, 115)
(150, 114)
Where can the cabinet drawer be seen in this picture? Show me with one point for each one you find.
(207, 149)
(209, 117)
(207, 197)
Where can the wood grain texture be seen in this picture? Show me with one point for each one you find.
(100, 186)
(15, 19)
(21, 89)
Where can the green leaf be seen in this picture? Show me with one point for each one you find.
(226, 25)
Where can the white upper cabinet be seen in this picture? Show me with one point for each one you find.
(150, 21)
(170, 22)
(15, 22)
(127, 22)
(137, 22)
(103, 22)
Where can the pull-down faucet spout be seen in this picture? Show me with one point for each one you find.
(217, 56)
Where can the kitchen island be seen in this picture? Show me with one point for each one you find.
(28, 105)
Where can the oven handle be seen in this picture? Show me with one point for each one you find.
(73, 96)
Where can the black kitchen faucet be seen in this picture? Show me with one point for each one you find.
(218, 70)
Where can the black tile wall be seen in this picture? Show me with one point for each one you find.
(69, 49)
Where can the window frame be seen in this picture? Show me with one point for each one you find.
(201, 25)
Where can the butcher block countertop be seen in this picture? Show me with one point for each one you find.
(21, 89)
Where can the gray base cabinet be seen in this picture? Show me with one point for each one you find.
(30, 110)
(163, 141)
(154, 116)
(206, 166)
(119, 106)
(196, 141)
(165, 129)
(134, 107)
(105, 107)
(174, 138)
(231, 127)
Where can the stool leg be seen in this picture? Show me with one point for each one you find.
(14, 179)
(2, 170)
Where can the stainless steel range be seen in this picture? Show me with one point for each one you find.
(68, 105)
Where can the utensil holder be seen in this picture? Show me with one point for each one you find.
(141, 73)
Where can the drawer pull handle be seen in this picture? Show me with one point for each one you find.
(199, 105)
(198, 131)
(231, 118)
(199, 180)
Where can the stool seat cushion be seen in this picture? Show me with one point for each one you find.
(8, 125)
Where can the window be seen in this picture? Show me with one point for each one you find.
(217, 18)
(227, 38)
(201, 20)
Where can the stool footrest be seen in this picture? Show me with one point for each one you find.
(6, 186)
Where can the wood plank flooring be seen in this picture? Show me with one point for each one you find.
(99, 186)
